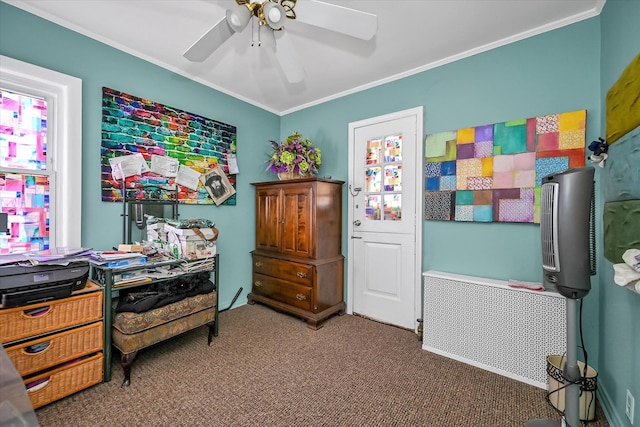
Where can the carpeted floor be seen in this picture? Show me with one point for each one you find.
(268, 369)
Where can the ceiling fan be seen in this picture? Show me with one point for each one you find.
(271, 16)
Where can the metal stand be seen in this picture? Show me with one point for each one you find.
(130, 202)
(571, 374)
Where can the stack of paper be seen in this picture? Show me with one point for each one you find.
(197, 265)
(62, 255)
(117, 258)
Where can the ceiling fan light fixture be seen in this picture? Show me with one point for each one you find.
(238, 18)
(273, 14)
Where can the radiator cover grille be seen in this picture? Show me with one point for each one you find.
(490, 325)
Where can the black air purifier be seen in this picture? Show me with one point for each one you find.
(567, 230)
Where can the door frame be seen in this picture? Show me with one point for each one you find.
(418, 112)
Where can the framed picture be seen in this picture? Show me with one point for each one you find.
(217, 185)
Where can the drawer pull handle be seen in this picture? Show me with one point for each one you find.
(37, 312)
(37, 348)
(258, 264)
(301, 274)
(257, 283)
(301, 297)
(37, 384)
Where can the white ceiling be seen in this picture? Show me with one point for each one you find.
(412, 36)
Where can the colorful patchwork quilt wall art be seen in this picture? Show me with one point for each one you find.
(493, 173)
(174, 147)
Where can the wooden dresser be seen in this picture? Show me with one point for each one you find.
(56, 346)
(298, 266)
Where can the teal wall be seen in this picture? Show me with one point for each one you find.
(554, 72)
(28, 38)
(619, 367)
(551, 73)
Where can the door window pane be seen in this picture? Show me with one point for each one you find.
(383, 178)
(392, 207)
(393, 148)
(393, 178)
(372, 207)
(374, 148)
(373, 179)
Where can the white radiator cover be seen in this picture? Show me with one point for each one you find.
(486, 323)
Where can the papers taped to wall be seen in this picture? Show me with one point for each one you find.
(192, 243)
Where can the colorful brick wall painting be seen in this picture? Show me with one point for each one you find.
(133, 126)
(493, 173)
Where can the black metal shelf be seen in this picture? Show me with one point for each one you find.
(106, 281)
(136, 198)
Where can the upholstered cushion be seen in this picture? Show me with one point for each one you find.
(131, 323)
(129, 343)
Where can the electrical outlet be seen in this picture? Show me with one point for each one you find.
(630, 406)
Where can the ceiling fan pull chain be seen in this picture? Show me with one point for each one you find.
(252, 32)
(259, 35)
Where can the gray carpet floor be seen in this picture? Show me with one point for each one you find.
(268, 369)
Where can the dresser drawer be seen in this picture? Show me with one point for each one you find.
(23, 322)
(37, 355)
(64, 380)
(283, 291)
(286, 270)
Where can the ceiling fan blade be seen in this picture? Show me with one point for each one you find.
(354, 23)
(287, 57)
(209, 42)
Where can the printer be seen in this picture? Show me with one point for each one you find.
(23, 283)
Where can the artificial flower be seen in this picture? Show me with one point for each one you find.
(297, 154)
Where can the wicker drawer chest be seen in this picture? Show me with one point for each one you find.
(56, 346)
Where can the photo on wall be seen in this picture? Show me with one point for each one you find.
(493, 173)
(217, 185)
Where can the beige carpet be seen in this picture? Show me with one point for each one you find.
(269, 369)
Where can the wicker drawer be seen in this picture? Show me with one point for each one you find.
(37, 355)
(23, 322)
(283, 291)
(286, 270)
(64, 380)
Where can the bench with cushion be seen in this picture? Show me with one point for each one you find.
(133, 331)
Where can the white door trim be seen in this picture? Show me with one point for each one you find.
(418, 112)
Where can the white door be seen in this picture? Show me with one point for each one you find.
(385, 225)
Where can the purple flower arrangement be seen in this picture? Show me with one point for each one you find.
(296, 156)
